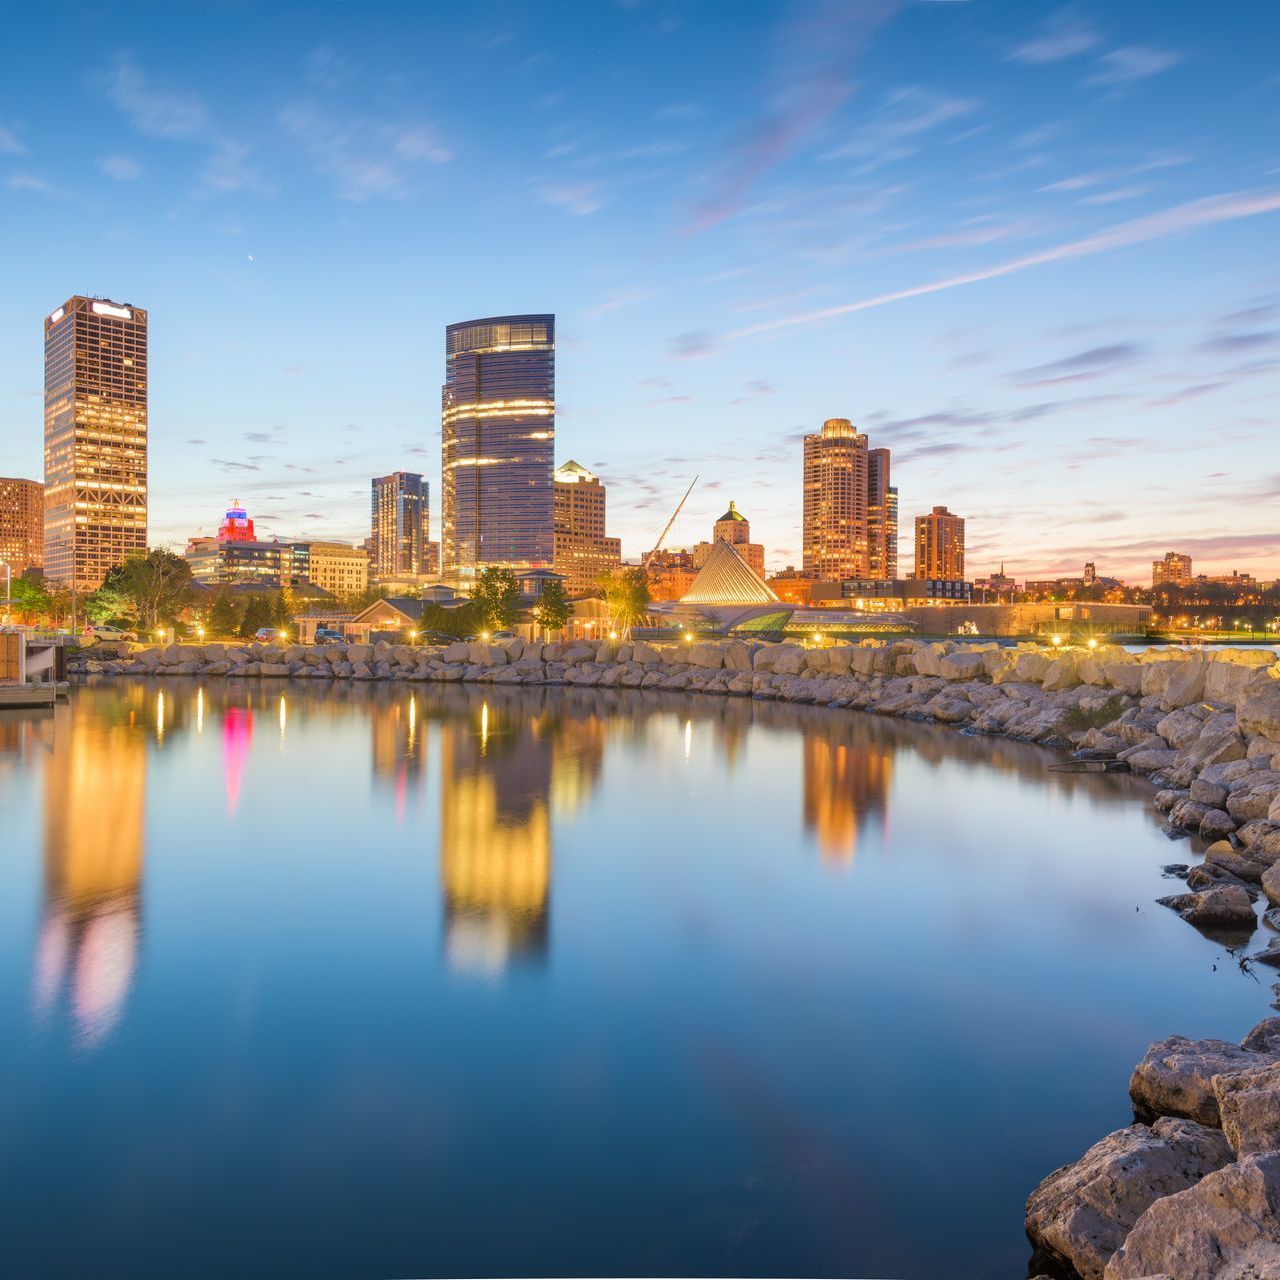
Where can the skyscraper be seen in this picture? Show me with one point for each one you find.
(400, 510)
(940, 545)
(850, 509)
(882, 518)
(95, 439)
(583, 554)
(498, 419)
(21, 525)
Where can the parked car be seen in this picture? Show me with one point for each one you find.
(435, 637)
(104, 631)
(264, 635)
(327, 635)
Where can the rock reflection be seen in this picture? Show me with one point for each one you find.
(94, 816)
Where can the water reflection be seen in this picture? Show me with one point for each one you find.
(846, 782)
(94, 822)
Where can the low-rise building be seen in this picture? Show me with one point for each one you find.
(893, 595)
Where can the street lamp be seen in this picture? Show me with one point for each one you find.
(1057, 640)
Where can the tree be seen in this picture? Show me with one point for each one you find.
(626, 593)
(257, 614)
(283, 606)
(30, 600)
(156, 583)
(553, 609)
(224, 620)
(107, 604)
(497, 597)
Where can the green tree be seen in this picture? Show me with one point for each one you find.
(626, 594)
(224, 620)
(496, 597)
(107, 605)
(283, 607)
(157, 585)
(553, 609)
(30, 600)
(257, 614)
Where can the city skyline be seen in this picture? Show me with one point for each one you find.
(923, 251)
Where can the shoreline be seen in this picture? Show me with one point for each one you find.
(1192, 1188)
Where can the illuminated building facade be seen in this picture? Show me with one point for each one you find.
(95, 439)
(1174, 570)
(21, 525)
(734, 528)
(340, 569)
(582, 552)
(940, 545)
(671, 573)
(498, 445)
(269, 564)
(400, 511)
(236, 525)
(850, 509)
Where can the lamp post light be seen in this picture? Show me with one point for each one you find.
(1056, 641)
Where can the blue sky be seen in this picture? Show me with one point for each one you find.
(1033, 249)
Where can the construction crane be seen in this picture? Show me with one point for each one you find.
(662, 537)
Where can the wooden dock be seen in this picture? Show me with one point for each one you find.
(44, 694)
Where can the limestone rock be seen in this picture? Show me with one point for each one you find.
(1175, 1078)
(1249, 1104)
(1082, 1212)
(1186, 684)
(1222, 907)
(1193, 1233)
(1264, 1038)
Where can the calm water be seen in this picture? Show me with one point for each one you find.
(373, 981)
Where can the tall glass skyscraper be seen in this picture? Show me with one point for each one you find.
(400, 518)
(499, 432)
(95, 439)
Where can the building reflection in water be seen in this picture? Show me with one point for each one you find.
(237, 735)
(507, 770)
(94, 815)
(846, 781)
(398, 747)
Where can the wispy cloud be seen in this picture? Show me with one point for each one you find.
(813, 76)
(9, 144)
(33, 182)
(1096, 362)
(1178, 220)
(179, 115)
(900, 119)
(1063, 35)
(365, 159)
(581, 198)
(1132, 63)
(120, 168)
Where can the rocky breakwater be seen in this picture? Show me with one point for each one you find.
(1191, 1191)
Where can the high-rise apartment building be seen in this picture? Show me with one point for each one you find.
(940, 546)
(21, 525)
(1174, 569)
(400, 510)
(498, 445)
(583, 554)
(338, 568)
(95, 439)
(850, 509)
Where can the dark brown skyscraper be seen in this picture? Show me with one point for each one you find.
(95, 439)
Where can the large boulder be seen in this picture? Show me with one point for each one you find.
(1213, 748)
(1063, 673)
(1082, 1212)
(1259, 711)
(1186, 685)
(359, 653)
(1271, 883)
(1223, 907)
(1229, 679)
(1182, 727)
(710, 656)
(1175, 1078)
(1125, 676)
(788, 659)
(962, 666)
(1195, 1234)
(1249, 1104)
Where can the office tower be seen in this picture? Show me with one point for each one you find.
(882, 518)
(236, 525)
(940, 545)
(498, 420)
(95, 439)
(582, 552)
(1174, 569)
(401, 518)
(21, 525)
